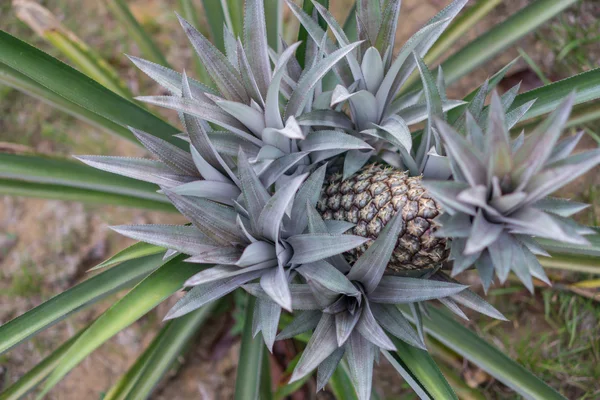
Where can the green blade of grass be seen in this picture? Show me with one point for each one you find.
(46, 25)
(308, 8)
(466, 343)
(501, 36)
(67, 193)
(235, 11)
(88, 292)
(350, 28)
(22, 83)
(459, 27)
(424, 370)
(146, 295)
(136, 250)
(60, 171)
(247, 382)
(274, 20)
(145, 43)
(216, 19)
(169, 346)
(80, 89)
(37, 374)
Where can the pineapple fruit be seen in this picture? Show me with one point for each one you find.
(370, 199)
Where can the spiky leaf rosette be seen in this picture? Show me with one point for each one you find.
(497, 203)
(368, 94)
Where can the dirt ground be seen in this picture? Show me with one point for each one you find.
(46, 246)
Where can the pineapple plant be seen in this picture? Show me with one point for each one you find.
(308, 184)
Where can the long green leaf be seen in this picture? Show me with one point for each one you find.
(235, 10)
(80, 89)
(147, 46)
(216, 19)
(308, 7)
(188, 11)
(37, 374)
(247, 382)
(17, 80)
(45, 24)
(56, 171)
(171, 345)
(274, 20)
(501, 36)
(146, 295)
(459, 27)
(547, 98)
(340, 383)
(424, 370)
(465, 342)
(68, 193)
(350, 28)
(74, 299)
(134, 251)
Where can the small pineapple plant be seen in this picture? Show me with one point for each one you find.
(336, 192)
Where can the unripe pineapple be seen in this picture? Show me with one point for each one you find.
(371, 198)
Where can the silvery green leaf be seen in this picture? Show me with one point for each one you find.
(303, 321)
(558, 206)
(420, 42)
(457, 225)
(230, 43)
(434, 109)
(342, 39)
(475, 133)
(538, 146)
(406, 100)
(344, 325)
(167, 78)
(389, 22)
(311, 77)
(186, 239)
(354, 161)
(532, 245)
(291, 130)
(476, 105)
(336, 227)
(565, 147)
(504, 253)
(229, 143)
(469, 299)
(463, 153)
(325, 297)
(371, 265)
(485, 269)
(203, 294)
(224, 75)
(247, 75)
(534, 222)
(332, 140)
(514, 116)
(498, 145)
(275, 284)
(314, 246)
(329, 118)
(220, 192)
(272, 112)
(152, 171)
(401, 290)
(407, 376)
(561, 173)
(216, 221)
(453, 307)
(207, 171)
(415, 310)
(483, 234)
(268, 153)
(256, 253)
(393, 321)
(418, 112)
(280, 166)
(518, 141)
(317, 225)
(372, 69)
(369, 12)
(477, 196)
(269, 221)
(369, 328)
(440, 83)
(328, 276)
(461, 261)
(508, 202)
(446, 192)
(203, 110)
(309, 194)
(255, 42)
(363, 105)
(520, 267)
(535, 268)
(360, 354)
(399, 133)
(219, 272)
(327, 368)
(268, 313)
(216, 255)
(321, 344)
(247, 115)
(302, 296)
(254, 193)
